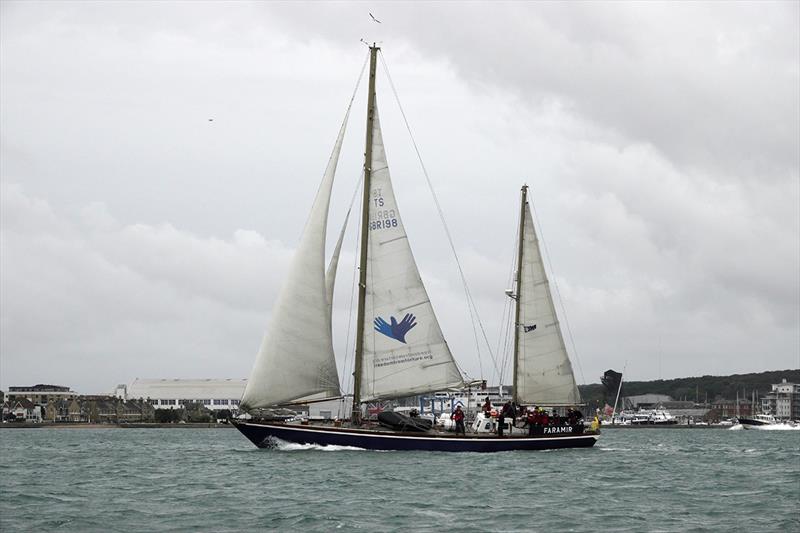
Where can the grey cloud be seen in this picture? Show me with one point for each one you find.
(660, 143)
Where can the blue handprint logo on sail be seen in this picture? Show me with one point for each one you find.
(396, 330)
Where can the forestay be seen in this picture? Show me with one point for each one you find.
(544, 376)
(404, 350)
(296, 357)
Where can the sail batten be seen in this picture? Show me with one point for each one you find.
(544, 373)
(404, 349)
(296, 358)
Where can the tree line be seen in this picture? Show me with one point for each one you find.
(695, 389)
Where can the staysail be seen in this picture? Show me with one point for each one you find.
(333, 264)
(296, 357)
(404, 350)
(544, 375)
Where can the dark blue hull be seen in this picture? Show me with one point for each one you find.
(262, 434)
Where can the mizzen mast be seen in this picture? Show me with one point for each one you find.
(362, 269)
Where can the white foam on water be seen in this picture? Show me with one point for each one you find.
(779, 427)
(294, 447)
(771, 427)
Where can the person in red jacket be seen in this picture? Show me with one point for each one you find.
(458, 416)
(530, 419)
(487, 406)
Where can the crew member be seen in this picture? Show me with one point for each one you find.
(501, 420)
(487, 406)
(531, 421)
(458, 416)
(505, 412)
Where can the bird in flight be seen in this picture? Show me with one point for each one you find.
(373, 18)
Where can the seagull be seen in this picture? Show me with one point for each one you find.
(373, 18)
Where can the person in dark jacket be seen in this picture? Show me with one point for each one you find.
(458, 416)
(505, 412)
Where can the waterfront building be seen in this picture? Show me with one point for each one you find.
(103, 409)
(22, 410)
(214, 394)
(687, 412)
(783, 402)
(64, 411)
(732, 409)
(645, 401)
(40, 394)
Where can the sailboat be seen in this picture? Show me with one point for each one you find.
(400, 349)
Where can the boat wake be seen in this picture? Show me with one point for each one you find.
(780, 427)
(771, 427)
(284, 446)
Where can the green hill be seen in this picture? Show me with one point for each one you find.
(695, 388)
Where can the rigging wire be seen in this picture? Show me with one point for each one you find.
(347, 377)
(506, 329)
(558, 292)
(352, 200)
(470, 302)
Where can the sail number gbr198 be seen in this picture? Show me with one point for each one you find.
(381, 218)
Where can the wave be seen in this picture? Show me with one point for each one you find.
(772, 427)
(285, 446)
(780, 427)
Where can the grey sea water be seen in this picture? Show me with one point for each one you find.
(214, 480)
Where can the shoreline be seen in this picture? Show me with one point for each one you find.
(134, 425)
(660, 426)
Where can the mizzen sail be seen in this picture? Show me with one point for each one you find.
(544, 374)
(404, 350)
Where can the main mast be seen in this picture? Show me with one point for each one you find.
(518, 294)
(362, 269)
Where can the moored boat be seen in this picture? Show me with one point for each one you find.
(653, 417)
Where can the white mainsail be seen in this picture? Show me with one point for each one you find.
(544, 373)
(296, 357)
(404, 350)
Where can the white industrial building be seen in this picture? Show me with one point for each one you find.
(174, 393)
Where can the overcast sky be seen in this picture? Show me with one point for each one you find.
(661, 142)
